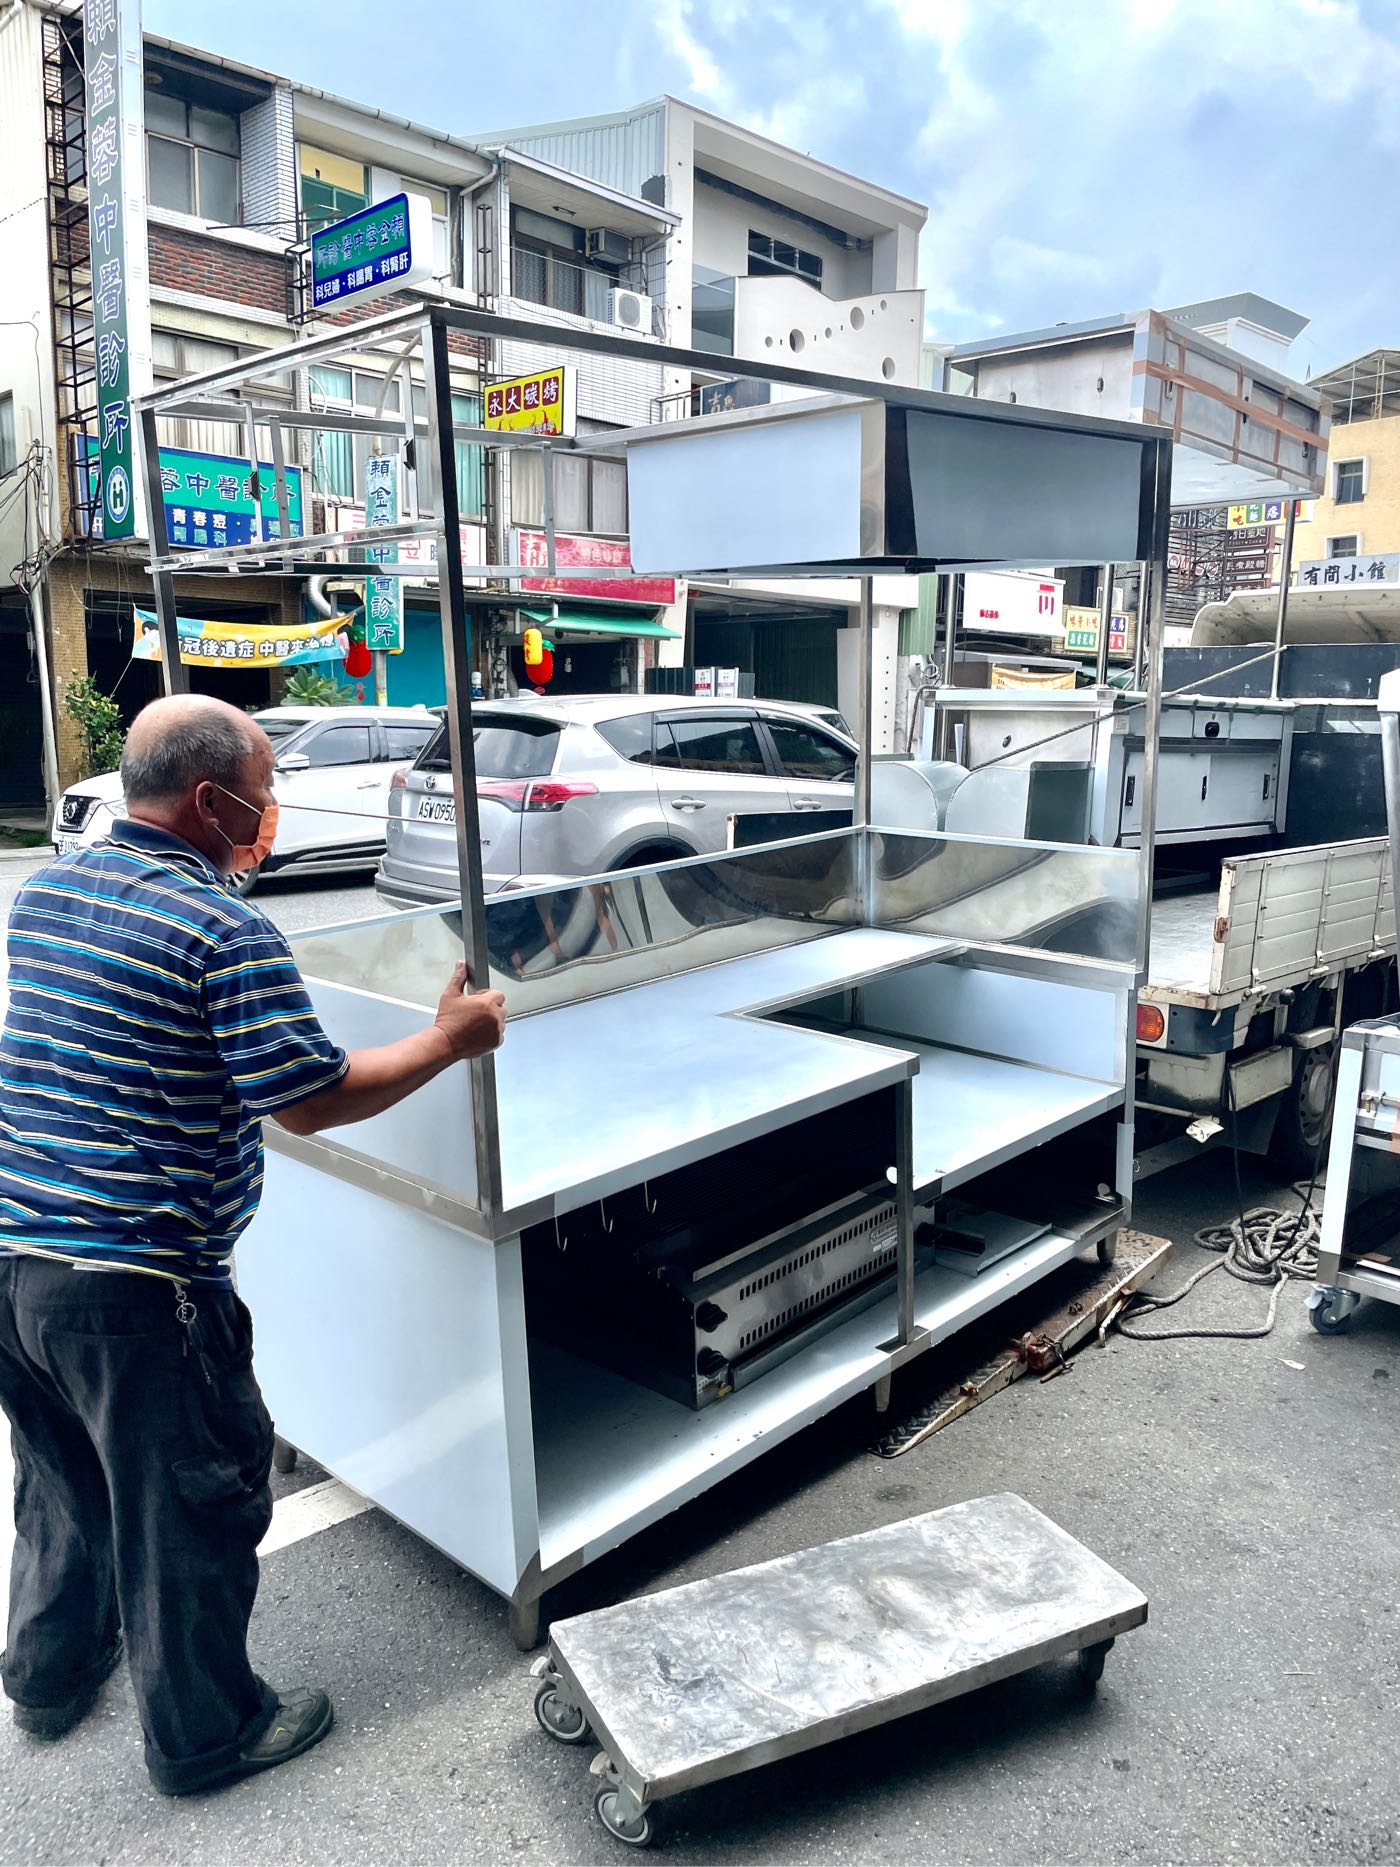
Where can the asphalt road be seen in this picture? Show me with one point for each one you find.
(1247, 1486)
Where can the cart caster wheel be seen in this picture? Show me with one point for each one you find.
(563, 1721)
(284, 1457)
(1330, 1309)
(1091, 1661)
(635, 1830)
(1108, 1248)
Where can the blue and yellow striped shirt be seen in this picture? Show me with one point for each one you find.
(154, 1020)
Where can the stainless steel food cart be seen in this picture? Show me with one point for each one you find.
(765, 1126)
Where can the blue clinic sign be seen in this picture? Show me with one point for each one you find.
(380, 249)
(209, 500)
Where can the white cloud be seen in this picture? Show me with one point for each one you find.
(705, 80)
(1069, 150)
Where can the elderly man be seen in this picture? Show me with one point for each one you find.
(155, 1021)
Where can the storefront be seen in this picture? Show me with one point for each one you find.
(111, 629)
(595, 650)
(789, 648)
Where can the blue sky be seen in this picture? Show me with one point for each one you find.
(1090, 157)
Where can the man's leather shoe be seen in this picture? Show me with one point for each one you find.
(302, 1718)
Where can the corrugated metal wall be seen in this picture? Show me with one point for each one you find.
(621, 155)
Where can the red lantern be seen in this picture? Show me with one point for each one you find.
(543, 674)
(358, 660)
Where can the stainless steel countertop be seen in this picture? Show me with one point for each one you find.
(598, 1096)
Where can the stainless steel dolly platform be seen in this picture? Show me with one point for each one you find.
(699, 1683)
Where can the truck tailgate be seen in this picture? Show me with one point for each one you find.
(1278, 919)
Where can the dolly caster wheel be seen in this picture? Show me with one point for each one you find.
(1091, 1661)
(1330, 1310)
(284, 1457)
(563, 1721)
(1108, 1249)
(609, 1805)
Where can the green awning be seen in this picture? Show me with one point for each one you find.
(599, 624)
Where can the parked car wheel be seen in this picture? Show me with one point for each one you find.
(653, 853)
(247, 881)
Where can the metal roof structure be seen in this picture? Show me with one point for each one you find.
(1249, 616)
(1269, 315)
(1364, 389)
(1241, 429)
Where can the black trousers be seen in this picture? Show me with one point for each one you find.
(142, 1453)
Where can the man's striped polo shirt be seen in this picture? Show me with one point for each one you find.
(154, 1019)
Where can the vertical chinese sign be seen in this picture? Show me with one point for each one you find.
(383, 595)
(112, 77)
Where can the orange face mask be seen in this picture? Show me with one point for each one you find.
(245, 856)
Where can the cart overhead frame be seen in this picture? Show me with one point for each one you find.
(816, 976)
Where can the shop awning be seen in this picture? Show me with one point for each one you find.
(579, 621)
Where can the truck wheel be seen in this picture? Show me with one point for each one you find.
(1304, 1120)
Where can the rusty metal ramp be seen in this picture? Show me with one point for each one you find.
(1034, 1334)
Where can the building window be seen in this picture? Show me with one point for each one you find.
(1350, 487)
(174, 355)
(547, 266)
(338, 460)
(332, 186)
(768, 257)
(712, 311)
(9, 456)
(590, 495)
(546, 276)
(1348, 546)
(191, 158)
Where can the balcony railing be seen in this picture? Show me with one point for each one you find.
(583, 291)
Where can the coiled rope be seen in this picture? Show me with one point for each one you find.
(1268, 1247)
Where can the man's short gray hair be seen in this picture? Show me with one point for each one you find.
(201, 745)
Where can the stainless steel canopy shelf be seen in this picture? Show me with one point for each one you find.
(692, 1047)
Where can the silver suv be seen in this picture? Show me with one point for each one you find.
(597, 783)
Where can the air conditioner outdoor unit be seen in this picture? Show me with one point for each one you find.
(632, 310)
(615, 249)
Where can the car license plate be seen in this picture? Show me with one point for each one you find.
(65, 845)
(437, 810)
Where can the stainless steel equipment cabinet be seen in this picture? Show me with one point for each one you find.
(757, 1146)
(765, 1127)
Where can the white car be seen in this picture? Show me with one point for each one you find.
(334, 765)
